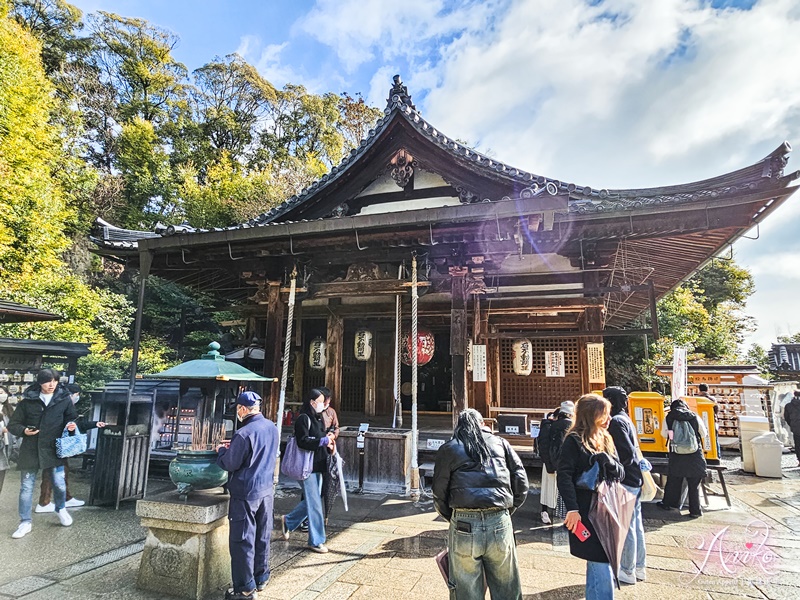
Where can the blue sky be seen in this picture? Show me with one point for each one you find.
(606, 93)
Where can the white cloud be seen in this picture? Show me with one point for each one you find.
(267, 59)
(358, 31)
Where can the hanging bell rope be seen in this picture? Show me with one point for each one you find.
(414, 360)
(285, 371)
(397, 421)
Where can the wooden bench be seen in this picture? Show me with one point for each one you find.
(661, 464)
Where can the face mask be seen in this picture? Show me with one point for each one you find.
(318, 408)
(239, 416)
(75, 398)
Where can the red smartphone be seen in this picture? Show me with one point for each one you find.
(581, 532)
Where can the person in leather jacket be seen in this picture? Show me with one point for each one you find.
(478, 482)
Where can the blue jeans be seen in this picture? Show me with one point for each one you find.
(487, 551)
(28, 482)
(311, 507)
(599, 581)
(634, 553)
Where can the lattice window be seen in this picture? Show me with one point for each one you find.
(354, 376)
(312, 378)
(536, 390)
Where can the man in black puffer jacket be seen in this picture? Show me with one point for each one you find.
(478, 481)
(45, 410)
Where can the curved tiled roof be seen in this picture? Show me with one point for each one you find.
(585, 198)
(765, 174)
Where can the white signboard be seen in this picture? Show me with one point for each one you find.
(434, 444)
(554, 364)
(679, 372)
(479, 362)
(535, 429)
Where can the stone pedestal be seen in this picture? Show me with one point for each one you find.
(186, 551)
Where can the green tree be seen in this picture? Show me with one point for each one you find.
(302, 126)
(32, 201)
(723, 281)
(147, 174)
(56, 24)
(136, 58)
(231, 100)
(756, 355)
(357, 118)
(32, 204)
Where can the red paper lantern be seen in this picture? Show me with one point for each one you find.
(425, 347)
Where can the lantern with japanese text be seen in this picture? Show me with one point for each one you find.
(316, 353)
(522, 356)
(363, 344)
(425, 347)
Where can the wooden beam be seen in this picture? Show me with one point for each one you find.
(379, 287)
(510, 335)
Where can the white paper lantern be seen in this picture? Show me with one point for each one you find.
(522, 356)
(363, 344)
(316, 353)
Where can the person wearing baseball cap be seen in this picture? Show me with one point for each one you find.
(250, 460)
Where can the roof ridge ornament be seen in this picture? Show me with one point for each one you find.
(399, 94)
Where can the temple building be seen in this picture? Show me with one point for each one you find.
(519, 278)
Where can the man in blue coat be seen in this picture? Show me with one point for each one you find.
(250, 460)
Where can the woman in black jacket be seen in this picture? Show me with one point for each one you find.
(588, 442)
(691, 467)
(310, 435)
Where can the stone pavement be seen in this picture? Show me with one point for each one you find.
(384, 547)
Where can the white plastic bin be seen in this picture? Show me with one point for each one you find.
(750, 427)
(767, 453)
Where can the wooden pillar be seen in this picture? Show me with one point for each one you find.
(273, 346)
(333, 364)
(458, 338)
(371, 384)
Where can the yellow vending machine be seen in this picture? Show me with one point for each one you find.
(705, 410)
(646, 410)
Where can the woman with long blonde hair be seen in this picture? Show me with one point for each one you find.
(588, 442)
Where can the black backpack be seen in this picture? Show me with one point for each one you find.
(544, 443)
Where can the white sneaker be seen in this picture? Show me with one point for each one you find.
(641, 574)
(23, 530)
(546, 518)
(45, 508)
(626, 577)
(64, 518)
(321, 549)
(74, 503)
